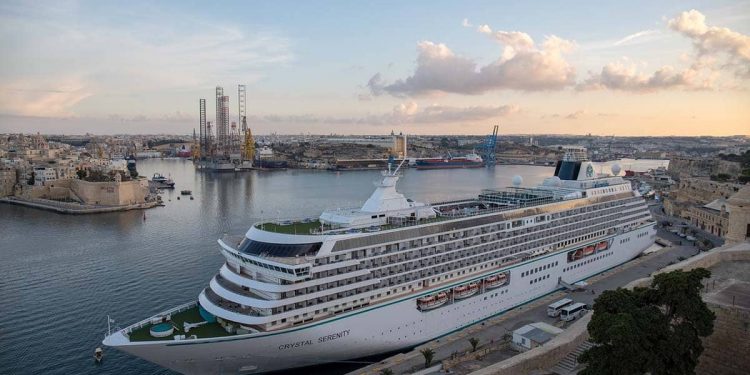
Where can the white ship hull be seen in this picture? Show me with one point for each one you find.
(381, 328)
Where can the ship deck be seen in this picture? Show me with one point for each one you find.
(488, 202)
(190, 315)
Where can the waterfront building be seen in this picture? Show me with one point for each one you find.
(43, 175)
(7, 181)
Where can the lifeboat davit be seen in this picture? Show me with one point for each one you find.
(465, 291)
(432, 301)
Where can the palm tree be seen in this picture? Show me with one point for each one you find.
(474, 342)
(428, 353)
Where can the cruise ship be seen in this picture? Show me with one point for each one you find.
(393, 273)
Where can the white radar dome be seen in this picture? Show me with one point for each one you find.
(517, 180)
(615, 169)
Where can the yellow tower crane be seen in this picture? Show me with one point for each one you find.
(249, 145)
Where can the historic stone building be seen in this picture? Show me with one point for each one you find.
(739, 218)
(697, 192)
(7, 181)
(712, 217)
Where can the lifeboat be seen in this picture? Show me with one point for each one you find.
(495, 281)
(432, 302)
(465, 291)
(578, 254)
(602, 246)
(588, 250)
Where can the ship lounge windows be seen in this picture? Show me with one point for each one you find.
(278, 250)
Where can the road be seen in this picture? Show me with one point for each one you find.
(657, 210)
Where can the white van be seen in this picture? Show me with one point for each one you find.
(573, 311)
(554, 309)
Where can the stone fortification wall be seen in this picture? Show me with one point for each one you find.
(703, 167)
(726, 350)
(54, 190)
(90, 193)
(111, 193)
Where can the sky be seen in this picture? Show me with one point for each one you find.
(369, 67)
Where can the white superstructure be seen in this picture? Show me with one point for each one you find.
(394, 273)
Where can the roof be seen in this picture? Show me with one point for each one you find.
(539, 332)
(536, 335)
(716, 204)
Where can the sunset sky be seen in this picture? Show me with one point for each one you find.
(356, 67)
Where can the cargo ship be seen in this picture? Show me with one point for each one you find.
(469, 161)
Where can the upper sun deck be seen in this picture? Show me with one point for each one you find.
(489, 201)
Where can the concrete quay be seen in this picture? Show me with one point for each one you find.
(492, 331)
(75, 208)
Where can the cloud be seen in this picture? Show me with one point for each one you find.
(466, 23)
(402, 114)
(625, 77)
(30, 98)
(713, 41)
(73, 60)
(716, 49)
(630, 39)
(576, 115)
(523, 66)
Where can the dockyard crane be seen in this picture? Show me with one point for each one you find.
(490, 144)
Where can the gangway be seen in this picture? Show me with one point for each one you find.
(571, 287)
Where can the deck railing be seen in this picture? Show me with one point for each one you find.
(147, 321)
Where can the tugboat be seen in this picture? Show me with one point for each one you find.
(162, 182)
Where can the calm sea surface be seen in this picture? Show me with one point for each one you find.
(61, 275)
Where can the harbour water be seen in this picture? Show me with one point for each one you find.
(62, 275)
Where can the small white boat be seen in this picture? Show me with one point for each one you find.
(162, 182)
(98, 355)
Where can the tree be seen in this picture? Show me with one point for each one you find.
(474, 342)
(386, 371)
(428, 353)
(31, 179)
(654, 330)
